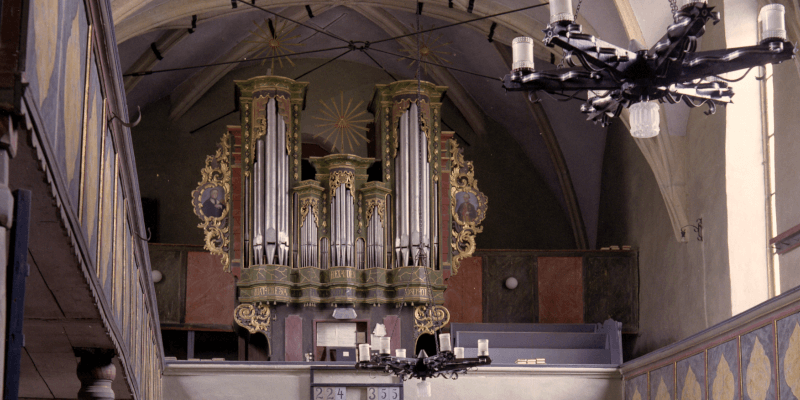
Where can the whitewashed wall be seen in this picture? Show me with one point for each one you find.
(227, 380)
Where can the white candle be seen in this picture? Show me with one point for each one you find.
(522, 54)
(773, 23)
(483, 347)
(401, 353)
(424, 389)
(444, 342)
(561, 10)
(363, 352)
(386, 344)
(459, 351)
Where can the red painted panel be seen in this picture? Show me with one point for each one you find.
(393, 331)
(293, 338)
(560, 290)
(210, 292)
(464, 294)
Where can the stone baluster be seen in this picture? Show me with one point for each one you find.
(96, 373)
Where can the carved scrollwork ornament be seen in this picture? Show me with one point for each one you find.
(339, 178)
(372, 204)
(211, 206)
(307, 205)
(428, 319)
(253, 317)
(468, 206)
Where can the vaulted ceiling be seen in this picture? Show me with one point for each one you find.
(218, 36)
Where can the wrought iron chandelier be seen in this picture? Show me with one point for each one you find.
(448, 362)
(670, 71)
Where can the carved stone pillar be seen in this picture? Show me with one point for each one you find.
(96, 373)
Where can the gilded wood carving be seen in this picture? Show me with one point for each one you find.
(312, 205)
(467, 206)
(253, 317)
(211, 201)
(429, 319)
(372, 204)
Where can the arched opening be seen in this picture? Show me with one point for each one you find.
(425, 342)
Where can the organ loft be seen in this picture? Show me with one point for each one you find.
(360, 250)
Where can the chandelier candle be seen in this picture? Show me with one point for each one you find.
(399, 353)
(483, 347)
(561, 10)
(644, 119)
(772, 21)
(386, 344)
(522, 51)
(613, 78)
(444, 342)
(363, 352)
(459, 352)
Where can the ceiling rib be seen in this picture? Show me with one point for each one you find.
(666, 154)
(457, 94)
(148, 59)
(190, 91)
(557, 157)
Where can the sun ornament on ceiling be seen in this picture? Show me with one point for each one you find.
(276, 42)
(432, 49)
(341, 123)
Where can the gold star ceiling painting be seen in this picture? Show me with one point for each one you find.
(276, 43)
(340, 123)
(431, 50)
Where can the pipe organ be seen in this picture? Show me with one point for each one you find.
(348, 236)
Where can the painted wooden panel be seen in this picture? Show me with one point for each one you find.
(57, 78)
(293, 338)
(464, 294)
(662, 383)
(758, 364)
(504, 305)
(691, 378)
(106, 217)
(611, 289)
(723, 371)
(119, 252)
(789, 356)
(560, 281)
(210, 292)
(170, 292)
(636, 388)
(73, 92)
(91, 162)
(393, 325)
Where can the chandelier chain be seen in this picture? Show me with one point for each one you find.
(674, 6)
(578, 9)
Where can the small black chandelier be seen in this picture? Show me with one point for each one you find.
(670, 71)
(448, 363)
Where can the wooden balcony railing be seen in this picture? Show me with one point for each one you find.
(72, 116)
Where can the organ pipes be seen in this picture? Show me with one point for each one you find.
(342, 218)
(413, 229)
(270, 243)
(309, 223)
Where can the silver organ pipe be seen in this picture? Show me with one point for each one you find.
(271, 192)
(413, 203)
(324, 253)
(375, 235)
(308, 234)
(282, 192)
(343, 238)
(360, 253)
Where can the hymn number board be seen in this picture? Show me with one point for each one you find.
(330, 393)
(376, 392)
